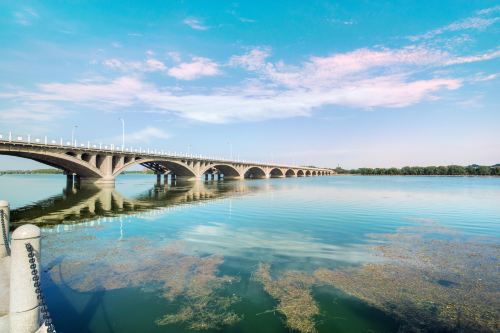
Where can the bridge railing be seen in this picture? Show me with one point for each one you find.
(73, 143)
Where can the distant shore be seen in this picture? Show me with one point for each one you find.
(447, 170)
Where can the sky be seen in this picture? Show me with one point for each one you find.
(325, 83)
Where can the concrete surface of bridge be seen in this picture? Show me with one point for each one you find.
(98, 164)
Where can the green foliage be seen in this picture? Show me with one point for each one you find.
(450, 170)
(36, 171)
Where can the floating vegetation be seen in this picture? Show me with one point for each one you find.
(191, 280)
(293, 293)
(202, 306)
(428, 277)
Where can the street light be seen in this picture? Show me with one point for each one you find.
(73, 135)
(123, 133)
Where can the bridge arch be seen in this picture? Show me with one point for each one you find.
(255, 172)
(308, 173)
(300, 173)
(227, 170)
(276, 173)
(290, 173)
(62, 161)
(179, 168)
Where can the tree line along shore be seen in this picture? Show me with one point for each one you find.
(448, 170)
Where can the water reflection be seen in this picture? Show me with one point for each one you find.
(76, 204)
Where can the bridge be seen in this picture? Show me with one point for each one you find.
(100, 164)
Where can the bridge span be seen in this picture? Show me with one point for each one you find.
(101, 164)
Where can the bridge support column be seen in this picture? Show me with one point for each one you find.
(69, 180)
(99, 182)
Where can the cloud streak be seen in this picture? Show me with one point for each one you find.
(147, 135)
(195, 23)
(149, 65)
(197, 68)
(478, 22)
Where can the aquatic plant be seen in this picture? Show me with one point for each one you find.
(202, 305)
(292, 290)
(190, 280)
(428, 277)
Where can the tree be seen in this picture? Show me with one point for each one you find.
(456, 170)
(484, 170)
(442, 170)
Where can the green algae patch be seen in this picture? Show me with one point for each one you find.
(189, 280)
(293, 292)
(202, 305)
(427, 276)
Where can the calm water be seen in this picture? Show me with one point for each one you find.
(325, 254)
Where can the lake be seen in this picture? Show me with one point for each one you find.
(315, 254)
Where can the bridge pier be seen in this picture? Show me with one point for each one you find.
(99, 182)
(69, 180)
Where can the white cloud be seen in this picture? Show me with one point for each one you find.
(342, 68)
(147, 134)
(474, 58)
(154, 65)
(470, 23)
(32, 112)
(238, 104)
(246, 20)
(192, 70)
(253, 60)
(175, 56)
(195, 23)
(482, 78)
(490, 10)
(150, 65)
(25, 16)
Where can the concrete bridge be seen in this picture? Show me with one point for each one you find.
(101, 164)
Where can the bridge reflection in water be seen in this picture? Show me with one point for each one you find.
(95, 204)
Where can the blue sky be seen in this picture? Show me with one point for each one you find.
(327, 83)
